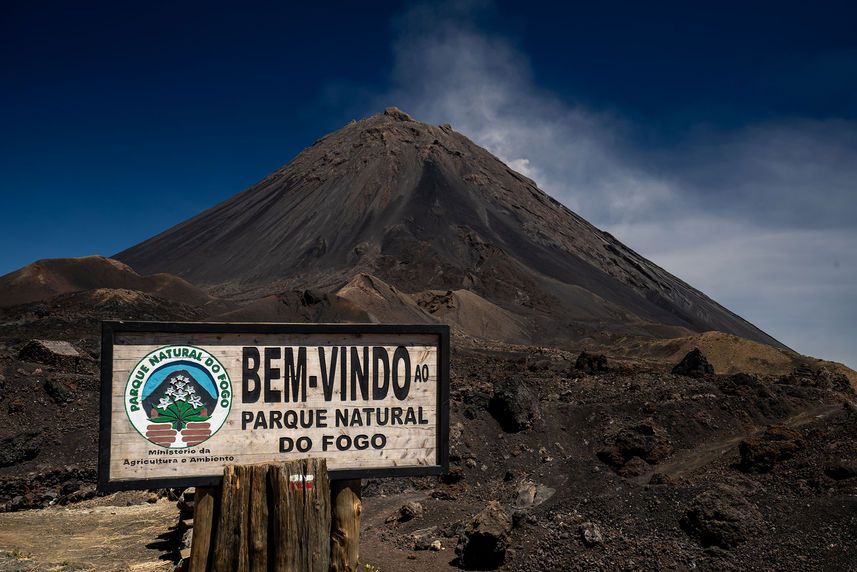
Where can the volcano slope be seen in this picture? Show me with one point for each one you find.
(613, 463)
(424, 208)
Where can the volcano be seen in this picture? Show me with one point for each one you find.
(425, 211)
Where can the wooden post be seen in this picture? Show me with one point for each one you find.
(301, 515)
(274, 516)
(203, 517)
(259, 519)
(227, 533)
(345, 525)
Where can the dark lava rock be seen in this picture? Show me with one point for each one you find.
(694, 364)
(591, 363)
(70, 486)
(58, 391)
(18, 447)
(410, 511)
(514, 405)
(635, 446)
(822, 378)
(483, 544)
(743, 385)
(590, 534)
(57, 353)
(825, 378)
(633, 467)
(776, 444)
(529, 494)
(721, 516)
(422, 543)
(407, 512)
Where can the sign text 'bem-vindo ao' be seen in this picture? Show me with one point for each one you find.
(181, 400)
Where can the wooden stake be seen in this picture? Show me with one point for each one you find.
(203, 516)
(300, 530)
(227, 534)
(258, 549)
(273, 516)
(345, 525)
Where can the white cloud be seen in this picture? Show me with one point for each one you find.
(760, 219)
(446, 72)
(797, 284)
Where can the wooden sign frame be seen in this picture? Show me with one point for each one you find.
(113, 415)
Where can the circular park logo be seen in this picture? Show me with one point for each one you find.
(178, 396)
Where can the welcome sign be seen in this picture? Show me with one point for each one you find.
(181, 400)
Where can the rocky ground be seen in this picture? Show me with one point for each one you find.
(636, 470)
(557, 462)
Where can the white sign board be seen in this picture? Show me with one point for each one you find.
(181, 400)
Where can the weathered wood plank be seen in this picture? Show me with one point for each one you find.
(301, 516)
(259, 521)
(228, 530)
(244, 483)
(203, 524)
(347, 507)
(272, 516)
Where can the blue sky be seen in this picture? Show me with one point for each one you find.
(716, 138)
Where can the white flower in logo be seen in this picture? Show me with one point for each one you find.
(195, 401)
(171, 391)
(180, 385)
(190, 389)
(180, 396)
(164, 403)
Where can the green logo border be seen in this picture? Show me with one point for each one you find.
(130, 376)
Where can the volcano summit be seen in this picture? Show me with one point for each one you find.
(422, 208)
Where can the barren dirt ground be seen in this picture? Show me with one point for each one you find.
(94, 535)
(101, 535)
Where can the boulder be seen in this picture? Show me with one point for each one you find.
(514, 405)
(644, 440)
(590, 534)
(58, 391)
(529, 494)
(776, 444)
(694, 364)
(483, 543)
(591, 363)
(743, 385)
(633, 467)
(406, 512)
(722, 517)
(823, 378)
(410, 511)
(635, 446)
(19, 447)
(57, 353)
